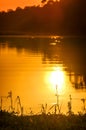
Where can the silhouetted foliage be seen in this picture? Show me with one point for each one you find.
(64, 17)
(42, 122)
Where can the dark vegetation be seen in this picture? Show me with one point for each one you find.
(8, 121)
(67, 17)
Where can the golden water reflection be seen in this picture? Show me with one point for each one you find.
(24, 73)
(56, 77)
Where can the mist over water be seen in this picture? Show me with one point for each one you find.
(32, 66)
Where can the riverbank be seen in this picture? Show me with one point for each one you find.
(9, 121)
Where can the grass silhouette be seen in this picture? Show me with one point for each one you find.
(9, 121)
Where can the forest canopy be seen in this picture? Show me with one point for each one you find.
(64, 17)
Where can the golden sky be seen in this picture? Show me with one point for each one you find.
(12, 4)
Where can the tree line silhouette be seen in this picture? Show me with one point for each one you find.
(53, 17)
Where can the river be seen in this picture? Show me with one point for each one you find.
(40, 69)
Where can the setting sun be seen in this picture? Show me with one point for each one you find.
(56, 77)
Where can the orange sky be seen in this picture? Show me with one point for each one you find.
(12, 4)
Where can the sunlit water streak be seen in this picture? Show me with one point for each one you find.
(32, 67)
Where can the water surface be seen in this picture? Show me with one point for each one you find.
(33, 67)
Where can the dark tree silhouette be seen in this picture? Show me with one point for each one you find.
(61, 18)
(43, 1)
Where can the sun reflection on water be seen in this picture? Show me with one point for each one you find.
(57, 77)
